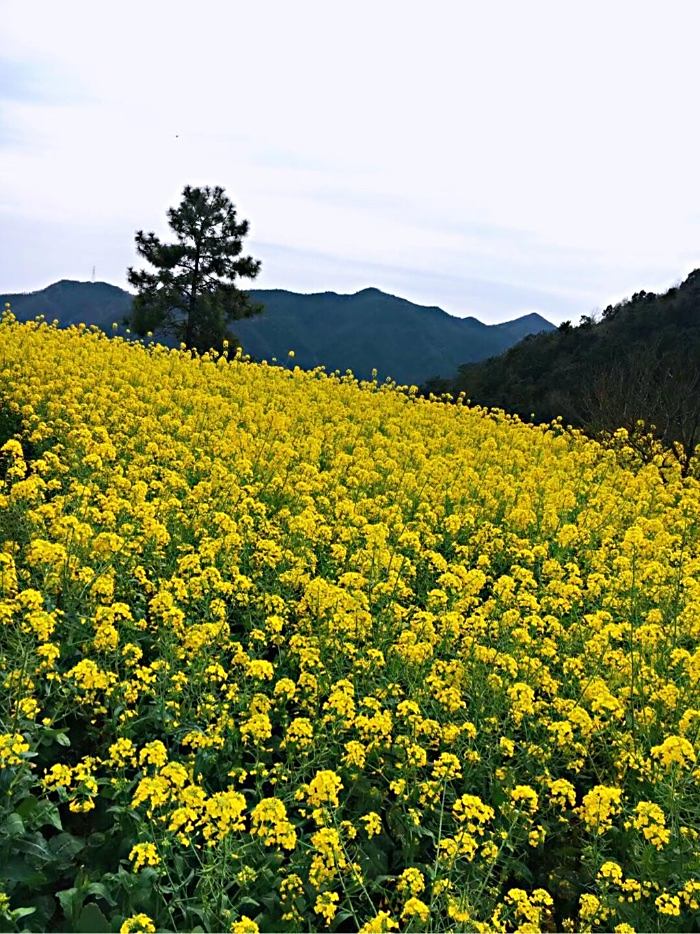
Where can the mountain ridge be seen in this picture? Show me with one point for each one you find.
(361, 331)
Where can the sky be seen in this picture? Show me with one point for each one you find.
(492, 158)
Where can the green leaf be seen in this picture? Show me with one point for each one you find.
(520, 870)
(13, 826)
(18, 870)
(71, 902)
(270, 901)
(92, 919)
(34, 845)
(146, 877)
(45, 910)
(101, 890)
(65, 846)
(27, 807)
(22, 912)
(47, 814)
(62, 739)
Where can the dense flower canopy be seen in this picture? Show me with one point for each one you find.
(286, 651)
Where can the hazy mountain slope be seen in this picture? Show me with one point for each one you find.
(370, 329)
(522, 327)
(367, 330)
(73, 302)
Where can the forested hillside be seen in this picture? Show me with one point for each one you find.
(639, 361)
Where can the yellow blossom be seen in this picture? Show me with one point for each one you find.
(675, 750)
(244, 925)
(372, 822)
(326, 905)
(415, 908)
(324, 788)
(144, 854)
(138, 924)
(269, 822)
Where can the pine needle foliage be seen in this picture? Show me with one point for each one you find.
(191, 294)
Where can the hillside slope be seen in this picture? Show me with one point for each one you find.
(641, 360)
(278, 645)
(367, 330)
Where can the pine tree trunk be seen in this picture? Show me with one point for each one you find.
(189, 331)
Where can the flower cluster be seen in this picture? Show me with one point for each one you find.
(284, 651)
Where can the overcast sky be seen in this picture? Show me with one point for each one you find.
(491, 158)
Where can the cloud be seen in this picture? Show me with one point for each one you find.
(461, 294)
(47, 250)
(36, 82)
(25, 84)
(507, 156)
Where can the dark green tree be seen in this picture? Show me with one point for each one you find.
(639, 363)
(192, 293)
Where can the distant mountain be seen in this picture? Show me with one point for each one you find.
(73, 303)
(524, 327)
(370, 329)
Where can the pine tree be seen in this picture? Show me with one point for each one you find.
(192, 293)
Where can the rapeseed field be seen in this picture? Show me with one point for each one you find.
(285, 652)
